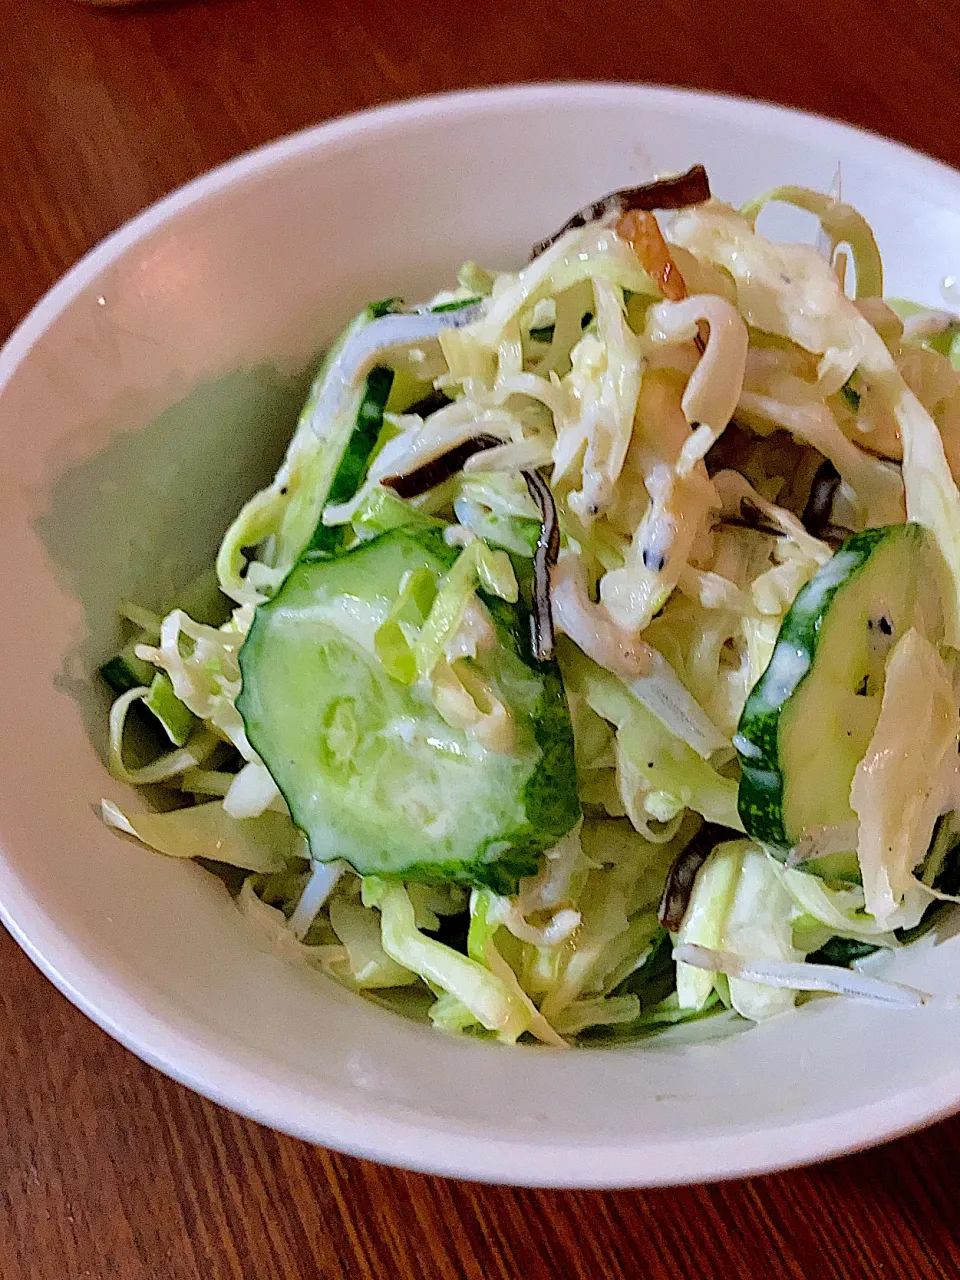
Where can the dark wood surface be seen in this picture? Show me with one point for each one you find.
(107, 1169)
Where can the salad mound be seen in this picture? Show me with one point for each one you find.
(590, 664)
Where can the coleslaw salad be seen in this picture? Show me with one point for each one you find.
(611, 528)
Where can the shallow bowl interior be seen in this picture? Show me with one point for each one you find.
(143, 399)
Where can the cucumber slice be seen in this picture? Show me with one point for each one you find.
(457, 304)
(369, 769)
(126, 671)
(809, 719)
(176, 718)
(352, 467)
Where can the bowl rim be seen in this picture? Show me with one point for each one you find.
(218, 1069)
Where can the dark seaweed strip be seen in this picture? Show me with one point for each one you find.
(683, 874)
(544, 558)
(441, 468)
(816, 514)
(431, 403)
(692, 187)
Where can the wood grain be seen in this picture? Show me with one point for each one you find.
(107, 1169)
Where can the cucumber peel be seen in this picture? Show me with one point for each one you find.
(352, 468)
(125, 671)
(176, 718)
(809, 719)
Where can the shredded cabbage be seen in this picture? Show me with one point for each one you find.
(477, 565)
(758, 926)
(842, 225)
(369, 966)
(201, 662)
(608, 363)
(164, 768)
(485, 920)
(788, 290)
(841, 910)
(476, 988)
(266, 843)
(618, 920)
(705, 918)
(659, 775)
(898, 788)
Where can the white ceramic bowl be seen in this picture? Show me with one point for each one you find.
(131, 415)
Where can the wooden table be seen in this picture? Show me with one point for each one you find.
(107, 1169)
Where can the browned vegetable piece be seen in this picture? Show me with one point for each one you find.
(642, 231)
